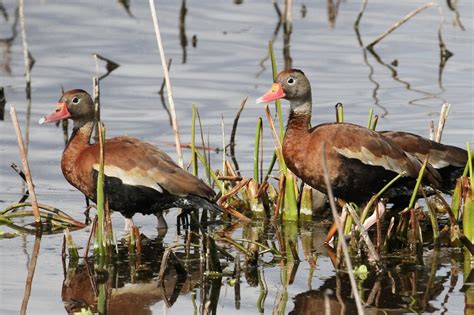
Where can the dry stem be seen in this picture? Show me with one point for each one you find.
(169, 91)
(26, 167)
(360, 309)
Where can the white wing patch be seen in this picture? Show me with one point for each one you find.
(367, 157)
(134, 177)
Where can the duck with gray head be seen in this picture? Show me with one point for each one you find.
(360, 161)
(139, 177)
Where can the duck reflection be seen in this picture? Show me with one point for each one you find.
(132, 284)
(403, 288)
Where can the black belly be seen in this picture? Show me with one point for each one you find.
(131, 199)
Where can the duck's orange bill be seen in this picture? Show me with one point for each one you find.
(275, 93)
(60, 113)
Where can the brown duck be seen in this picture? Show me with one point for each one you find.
(360, 161)
(138, 176)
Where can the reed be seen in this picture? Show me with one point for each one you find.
(26, 166)
(468, 214)
(100, 246)
(369, 121)
(339, 113)
(256, 151)
(193, 141)
(71, 245)
(169, 91)
(290, 206)
(418, 183)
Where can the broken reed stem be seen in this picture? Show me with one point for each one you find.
(398, 24)
(26, 167)
(169, 91)
(373, 255)
(442, 121)
(339, 113)
(347, 259)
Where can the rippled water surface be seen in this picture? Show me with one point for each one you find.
(403, 82)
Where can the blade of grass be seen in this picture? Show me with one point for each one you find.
(99, 244)
(277, 102)
(418, 183)
(256, 151)
(193, 141)
(369, 122)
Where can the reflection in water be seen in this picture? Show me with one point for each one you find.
(366, 61)
(402, 288)
(287, 29)
(162, 96)
(126, 6)
(453, 6)
(303, 11)
(183, 40)
(31, 272)
(445, 54)
(131, 284)
(3, 101)
(8, 41)
(333, 10)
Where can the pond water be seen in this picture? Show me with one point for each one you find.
(219, 56)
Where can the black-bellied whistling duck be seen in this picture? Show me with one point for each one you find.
(138, 176)
(360, 161)
(448, 160)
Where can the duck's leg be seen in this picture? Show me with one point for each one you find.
(162, 226)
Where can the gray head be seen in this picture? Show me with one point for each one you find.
(293, 86)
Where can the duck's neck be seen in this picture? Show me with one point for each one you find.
(81, 134)
(80, 139)
(300, 118)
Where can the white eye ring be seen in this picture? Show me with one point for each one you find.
(75, 100)
(291, 81)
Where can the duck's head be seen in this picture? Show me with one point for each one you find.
(291, 85)
(74, 104)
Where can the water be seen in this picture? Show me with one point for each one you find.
(227, 64)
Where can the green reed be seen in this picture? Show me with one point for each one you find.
(100, 244)
(290, 207)
(256, 151)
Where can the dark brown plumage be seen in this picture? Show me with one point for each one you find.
(448, 160)
(138, 176)
(360, 161)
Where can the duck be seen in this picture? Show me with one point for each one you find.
(360, 161)
(138, 177)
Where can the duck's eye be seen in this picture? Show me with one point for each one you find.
(290, 81)
(75, 100)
